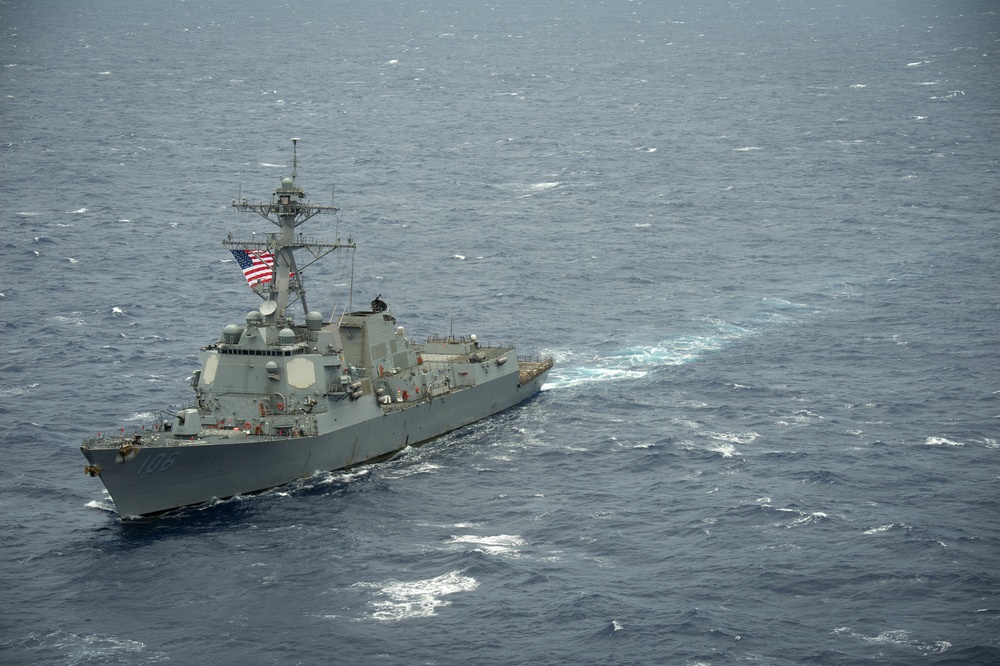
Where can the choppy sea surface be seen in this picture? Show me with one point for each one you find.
(761, 240)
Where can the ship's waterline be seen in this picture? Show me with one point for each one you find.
(277, 400)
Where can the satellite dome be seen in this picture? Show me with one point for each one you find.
(314, 321)
(231, 334)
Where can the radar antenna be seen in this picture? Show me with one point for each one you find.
(287, 210)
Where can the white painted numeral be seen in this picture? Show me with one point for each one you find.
(158, 463)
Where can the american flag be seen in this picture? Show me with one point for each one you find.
(257, 265)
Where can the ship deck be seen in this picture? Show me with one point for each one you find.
(531, 368)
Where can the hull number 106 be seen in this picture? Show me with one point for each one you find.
(161, 462)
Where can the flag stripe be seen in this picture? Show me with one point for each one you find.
(257, 265)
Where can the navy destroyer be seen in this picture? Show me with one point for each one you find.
(277, 400)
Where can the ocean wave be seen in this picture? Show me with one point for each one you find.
(410, 470)
(501, 544)
(887, 528)
(898, 637)
(942, 441)
(404, 600)
(87, 648)
(814, 517)
(105, 505)
(16, 390)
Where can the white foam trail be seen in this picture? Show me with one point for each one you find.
(421, 468)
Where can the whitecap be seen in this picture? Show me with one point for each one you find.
(501, 544)
(813, 517)
(885, 528)
(420, 598)
(97, 648)
(734, 437)
(10, 392)
(899, 637)
(942, 441)
(460, 257)
(747, 149)
(541, 187)
(78, 211)
(727, 450)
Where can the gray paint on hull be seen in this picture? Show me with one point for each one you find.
(200, 473)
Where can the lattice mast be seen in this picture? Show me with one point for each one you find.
(287, 210)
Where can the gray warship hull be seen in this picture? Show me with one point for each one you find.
(157, 472)
(277, 400)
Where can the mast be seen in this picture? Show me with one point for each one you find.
(287, 210)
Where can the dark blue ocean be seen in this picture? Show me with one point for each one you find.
(760, 238)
